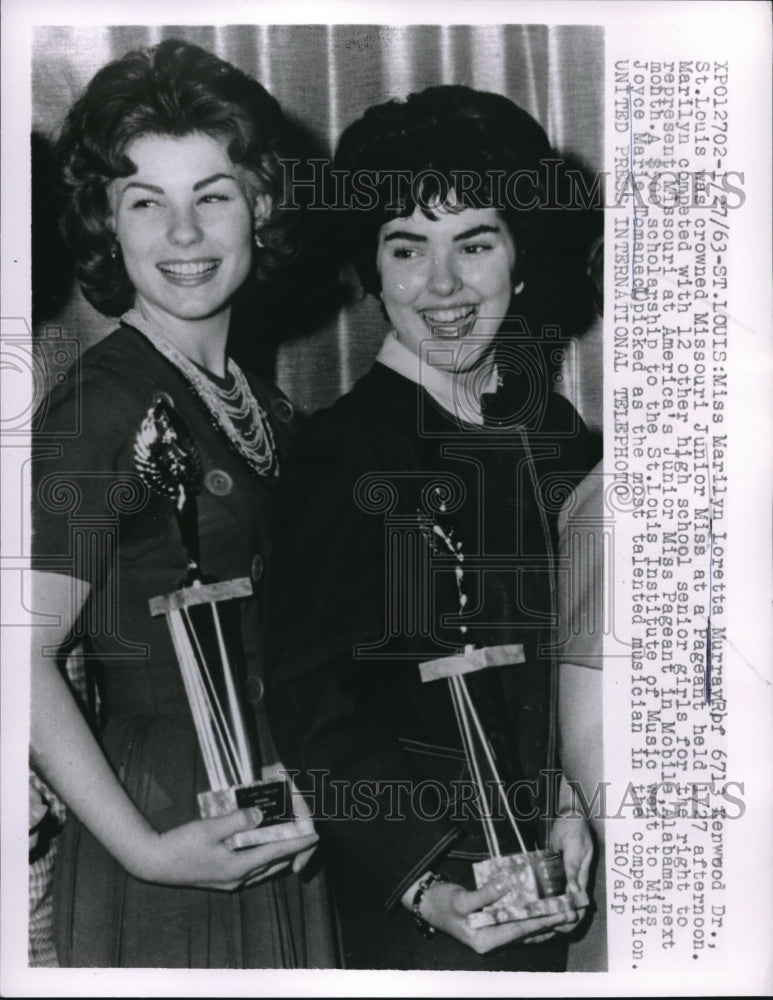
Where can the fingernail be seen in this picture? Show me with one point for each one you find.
(256, 815)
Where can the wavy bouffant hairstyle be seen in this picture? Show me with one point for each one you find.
(174, 88)
(425, 150)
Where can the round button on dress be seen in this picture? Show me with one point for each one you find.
(283, 410)
(256, 567)
(218, 483)
(254, 689)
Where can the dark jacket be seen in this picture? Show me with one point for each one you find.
(365, 589)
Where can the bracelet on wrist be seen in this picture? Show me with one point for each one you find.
(425, 928)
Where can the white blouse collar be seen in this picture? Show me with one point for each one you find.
(446, 389)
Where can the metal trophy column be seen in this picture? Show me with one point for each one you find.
(537, 877)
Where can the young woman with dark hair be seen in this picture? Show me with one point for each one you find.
(172, 188)
(418, 517)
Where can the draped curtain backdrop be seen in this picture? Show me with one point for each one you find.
(325, 76)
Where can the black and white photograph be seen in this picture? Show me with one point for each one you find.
(386, 549)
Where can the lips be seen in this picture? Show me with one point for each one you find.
(451, 321)
(189, 272)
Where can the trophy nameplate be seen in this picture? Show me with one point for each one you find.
(274, 800)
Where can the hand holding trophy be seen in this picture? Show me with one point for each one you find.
(236, 746)
(537, 879)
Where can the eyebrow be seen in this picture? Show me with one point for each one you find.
(196, 187)
(211, 180)
(476, 231)
(404, 234)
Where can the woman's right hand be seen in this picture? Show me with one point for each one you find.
(66, 754)
(198, 854)
(446, 906)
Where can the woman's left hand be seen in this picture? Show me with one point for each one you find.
(572, 835)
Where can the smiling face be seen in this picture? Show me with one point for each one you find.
(448, 280)
(184, 223)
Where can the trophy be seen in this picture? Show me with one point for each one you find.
(235, 742)
(537, 878)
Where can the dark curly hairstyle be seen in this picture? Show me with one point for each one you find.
(440, 139)
(174, 88)
(428, 148)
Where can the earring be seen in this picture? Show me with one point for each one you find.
(114, 250)
(518, 288)
(261, 212)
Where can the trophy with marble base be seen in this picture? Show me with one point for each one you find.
(203, 620)
(228, 743)
(537, 878)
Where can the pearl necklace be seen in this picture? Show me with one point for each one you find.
(254, 439)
